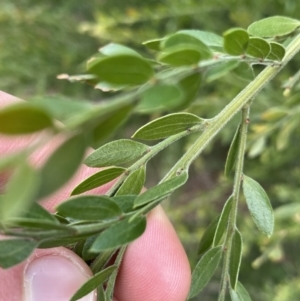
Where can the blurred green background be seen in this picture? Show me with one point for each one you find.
(41, 39)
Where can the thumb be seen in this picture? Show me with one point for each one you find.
(48, 275)
(55, 276)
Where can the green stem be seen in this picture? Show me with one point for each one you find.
(232, 108)
(236, 192)
(112, 279)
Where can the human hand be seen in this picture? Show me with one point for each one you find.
(154, 268)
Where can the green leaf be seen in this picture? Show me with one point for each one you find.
(258, 47)
(61, 165)
(119, 234)
(160, 190)
(259, 206)
(277, 52)
(220, 70)
(125, 202)
(236, 41)
(235, 258)
(244, 71)
(223, 221)
(20, 192)
(36, 224)
(285, 132)
(208, 236)
(100, 294)
(210, 39)
(167, 126)
(14, 251)
(134, 183)
(61, 108)
(98, 179)
(232, 153)
(13, 160)
(116, 153)
(273, 27)
(93, 283)
(107, 87)
(90, 207)
(109, 123)
(102, 260)
(36, 211)
(187, 40)
(23, 118)
(204, 270)
(274, 113)
(190, 85)
(240, 294)
(183, 55)
(257, 147)
(114, 49)
(161, 97)
(122, 69)
(85, 254)
(153, 44)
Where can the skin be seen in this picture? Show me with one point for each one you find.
(155, 266)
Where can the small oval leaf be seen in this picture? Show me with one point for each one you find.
(235, 258)
(259, 206)
(98, 179)
(159, 98)
(37, 212)
(125, 202)
(277, 52)
(20, 192)
(134, 183)
(236, 41)
(183, 55)
(210, 39)
(190, 85)
(244, 71)
(232, 153)
(23, 118)
(258, 47)
(273, 27)
(14, 251)
(61, 165)
(208, 236)
(109, 123)
(220, 70)
(153, 44)
(167, 126)
(186, 39)
(116, 153)
(223, 220)
(93, 283)
(117, 49)
(122, 69)
(160, 190)
(90, 207)
(119, 234)
(240, 294)
(204, 270)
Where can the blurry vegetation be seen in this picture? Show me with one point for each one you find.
(41, 39)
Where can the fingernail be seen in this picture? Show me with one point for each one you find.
(54, 278)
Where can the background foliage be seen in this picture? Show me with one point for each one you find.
(40, 40)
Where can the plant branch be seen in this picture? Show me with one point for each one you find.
(236, 192)
(232, 108)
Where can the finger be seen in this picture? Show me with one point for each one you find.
(155, 266)
(52, 275)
